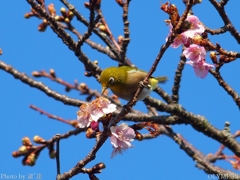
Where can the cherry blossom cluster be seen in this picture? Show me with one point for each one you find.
(195, 53)
(90, 113)
(121, 138)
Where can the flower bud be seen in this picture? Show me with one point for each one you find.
(16, 154)
(99, 166)
(52, 154)
(120, 39)
(36, 74)
(138, 136)
(213, 56)
(45, 21)
(59, 18)
(87, 5)
(70, 15)
(52, 73)
(74, 123)
(23, 149)
(28, 15)
(63, 11)
(90, 133)
(94, 125)
(66, 20)
(83, 86)
(95, 62)
(103, 28)
(39, 140)
(42, 27)
(51, 10)
(31, 160)
(26, 141)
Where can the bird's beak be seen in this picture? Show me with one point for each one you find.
(103, 89)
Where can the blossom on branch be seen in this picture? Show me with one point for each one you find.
(84, 116)
(121, 138)
(195, 28)
(195, 53)
(201, 68)
(100, 107)
(91, 112)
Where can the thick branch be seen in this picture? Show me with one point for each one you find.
(177, 79)
(197, 156)
(199, 123)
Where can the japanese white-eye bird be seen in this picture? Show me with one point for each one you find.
(124, 81)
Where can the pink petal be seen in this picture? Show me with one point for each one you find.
(129, 134)
(124, 144)
(114, 141)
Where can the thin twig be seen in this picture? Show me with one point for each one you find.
(73, 123)
(93, 45)
(108, 30)
(85, 22)
(223, 2)
(91, 26)
(220, 8)
(221, 30)
(66, 38)
(126, 38)
(226, 87)
(57, 153)
(39, 85)
(92, 154)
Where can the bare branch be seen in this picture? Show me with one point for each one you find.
(177, 79)
(220, 8)
(226, 87)
(199, 123)
(39, 85)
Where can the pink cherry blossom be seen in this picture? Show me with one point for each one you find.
(94, 126)
(179, 40)
(91, 112)
(195, 53)
(201, 68)
(121, 138)
(100, 107)
(196, 26)
(84, 116)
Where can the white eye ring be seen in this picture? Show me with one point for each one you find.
(111, 80)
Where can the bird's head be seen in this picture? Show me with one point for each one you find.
(112, 78)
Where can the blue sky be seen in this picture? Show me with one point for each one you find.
(28, 50)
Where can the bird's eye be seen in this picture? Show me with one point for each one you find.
(111, 80)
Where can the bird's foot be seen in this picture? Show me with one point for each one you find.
(141, 84)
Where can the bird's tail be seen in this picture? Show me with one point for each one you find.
(162, 79)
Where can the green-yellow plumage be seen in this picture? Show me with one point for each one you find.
(124, 81)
